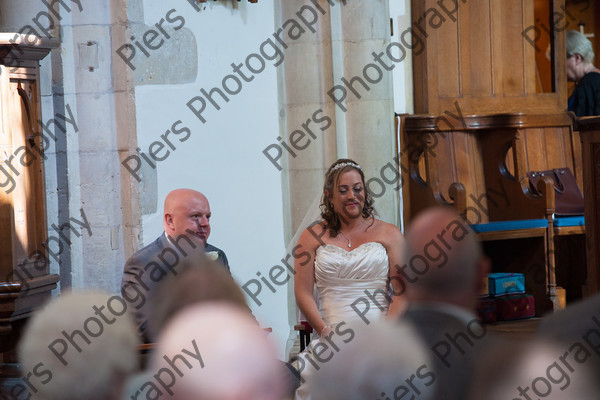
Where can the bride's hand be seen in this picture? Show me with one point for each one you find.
(326, 331)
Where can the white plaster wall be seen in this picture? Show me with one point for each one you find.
(403, 73)
(223, 157)
(91, 181)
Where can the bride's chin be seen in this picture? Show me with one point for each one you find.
(350, 216)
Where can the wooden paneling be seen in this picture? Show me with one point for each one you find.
(25, 282)
(477, 35)
(479, 166)
(472, 155)
(6, 211)
(589, 129)
(514, 122)
(483, 62)
(446, 38)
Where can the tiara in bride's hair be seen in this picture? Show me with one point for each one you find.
(345, 164)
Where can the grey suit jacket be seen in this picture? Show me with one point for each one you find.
(455, 347)
(146, 268)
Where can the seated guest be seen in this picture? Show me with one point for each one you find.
(187, 228)
(573, 322)
(201, 280)
(81, 346)
(220, 354)
(443, 270)
(579, 322)
(585, 99)
(378, 363)
(537, 369)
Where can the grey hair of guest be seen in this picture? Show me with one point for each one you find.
(99, 370)
(577, 43)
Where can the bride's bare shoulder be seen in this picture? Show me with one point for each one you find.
(313, 235)
(386, 228)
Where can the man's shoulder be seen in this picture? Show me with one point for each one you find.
(433, 320)
(432, 316)
(590, 81)
(149, 251)
(591, 77)
(221, 256)
(210, 247)
(573, 322)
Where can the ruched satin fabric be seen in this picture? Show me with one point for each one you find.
(342, 277)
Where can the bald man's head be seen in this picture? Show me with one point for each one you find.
(443, 260)
(230, 356)
(187, 212)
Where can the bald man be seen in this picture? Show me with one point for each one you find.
(443, 270)
(220, 353)
(186, 222)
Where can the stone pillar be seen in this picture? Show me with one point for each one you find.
(84, 177)
(304, 79)
(369, 120)
(342, 47)
(361, 127)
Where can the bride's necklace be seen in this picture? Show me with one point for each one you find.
(347, 238)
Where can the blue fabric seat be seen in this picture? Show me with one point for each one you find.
(497, 226)
(578, 220)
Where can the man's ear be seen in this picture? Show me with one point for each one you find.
(578, 58)
(168, 220)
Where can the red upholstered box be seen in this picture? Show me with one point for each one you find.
(515, 307)
(486, 310)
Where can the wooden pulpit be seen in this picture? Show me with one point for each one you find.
(25, 281)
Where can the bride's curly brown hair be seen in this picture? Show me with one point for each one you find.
(330, 217)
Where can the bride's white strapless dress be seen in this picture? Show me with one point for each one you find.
(341, 278)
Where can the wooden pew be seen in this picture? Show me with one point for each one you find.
(478, 165)
(589, 130)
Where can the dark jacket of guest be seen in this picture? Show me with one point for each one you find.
(585, 99)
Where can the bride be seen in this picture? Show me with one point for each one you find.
(352, 252)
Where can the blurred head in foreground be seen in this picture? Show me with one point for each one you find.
(221, 354)
(200, 280)
(81, 346)
(542, 369)
(377, 364)
(442, 240)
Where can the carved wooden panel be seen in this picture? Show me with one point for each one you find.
(474, 154)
